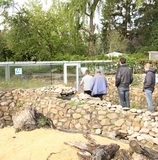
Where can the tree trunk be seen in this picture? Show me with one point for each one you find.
(105, 152)
(93, 150)
(122, 154)
(153, 155)
(92, 38)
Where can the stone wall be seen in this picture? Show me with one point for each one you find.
(83, 113)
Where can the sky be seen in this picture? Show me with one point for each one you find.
(45, 2)
(20, 2)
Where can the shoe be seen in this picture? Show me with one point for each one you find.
(126, 108)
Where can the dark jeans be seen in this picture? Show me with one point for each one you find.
(88, 92)
(124, 96)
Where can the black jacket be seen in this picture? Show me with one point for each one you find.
(149, 81)
(124, 76)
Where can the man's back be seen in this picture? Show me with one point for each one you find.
(123, 79)
(99, 84)
(86, 82)
(124, 76)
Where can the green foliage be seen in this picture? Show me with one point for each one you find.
(117, 26)
(37, 34)
(20, 104)
(74, 103)
(2, 72)
(152, 40)
(147, 26)
(116, 41)
(135, 106)
(5, 3)
(69, 57)
(95, 107)
(62, 33)
(29, 27)
(42, 121)
(79, 13)
(5, 53)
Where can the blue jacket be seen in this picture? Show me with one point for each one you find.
(99, 84)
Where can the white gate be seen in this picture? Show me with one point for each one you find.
(77, 72)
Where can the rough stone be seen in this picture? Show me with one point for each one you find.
(119, 122)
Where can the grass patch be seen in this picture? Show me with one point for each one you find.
(13, 84)
(74, 103)
(20, 104)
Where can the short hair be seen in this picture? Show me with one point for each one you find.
(98, 71)
(148, 65)
(87, 71)
(123, 60)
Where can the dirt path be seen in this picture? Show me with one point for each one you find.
(39, 143)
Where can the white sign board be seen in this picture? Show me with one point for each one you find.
(153, 55)
(18, 71)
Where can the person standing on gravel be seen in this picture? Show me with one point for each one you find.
(123, 79)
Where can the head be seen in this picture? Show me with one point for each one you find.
(122, 60)
(147, 66)
(87, 71)
(97, 71)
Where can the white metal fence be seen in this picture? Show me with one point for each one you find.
(52, 69)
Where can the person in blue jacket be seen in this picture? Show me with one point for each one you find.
(149, 84)
(99, 85)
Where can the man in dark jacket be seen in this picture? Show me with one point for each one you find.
(123, 79)
(149, 84)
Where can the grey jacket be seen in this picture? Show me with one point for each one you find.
(124, 76)
(149, 81)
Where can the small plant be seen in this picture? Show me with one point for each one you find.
(20, 104)
(66, 85)
(80, 103)
(133, 105)
(95, 107)
(42, 121)
(72, 103)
